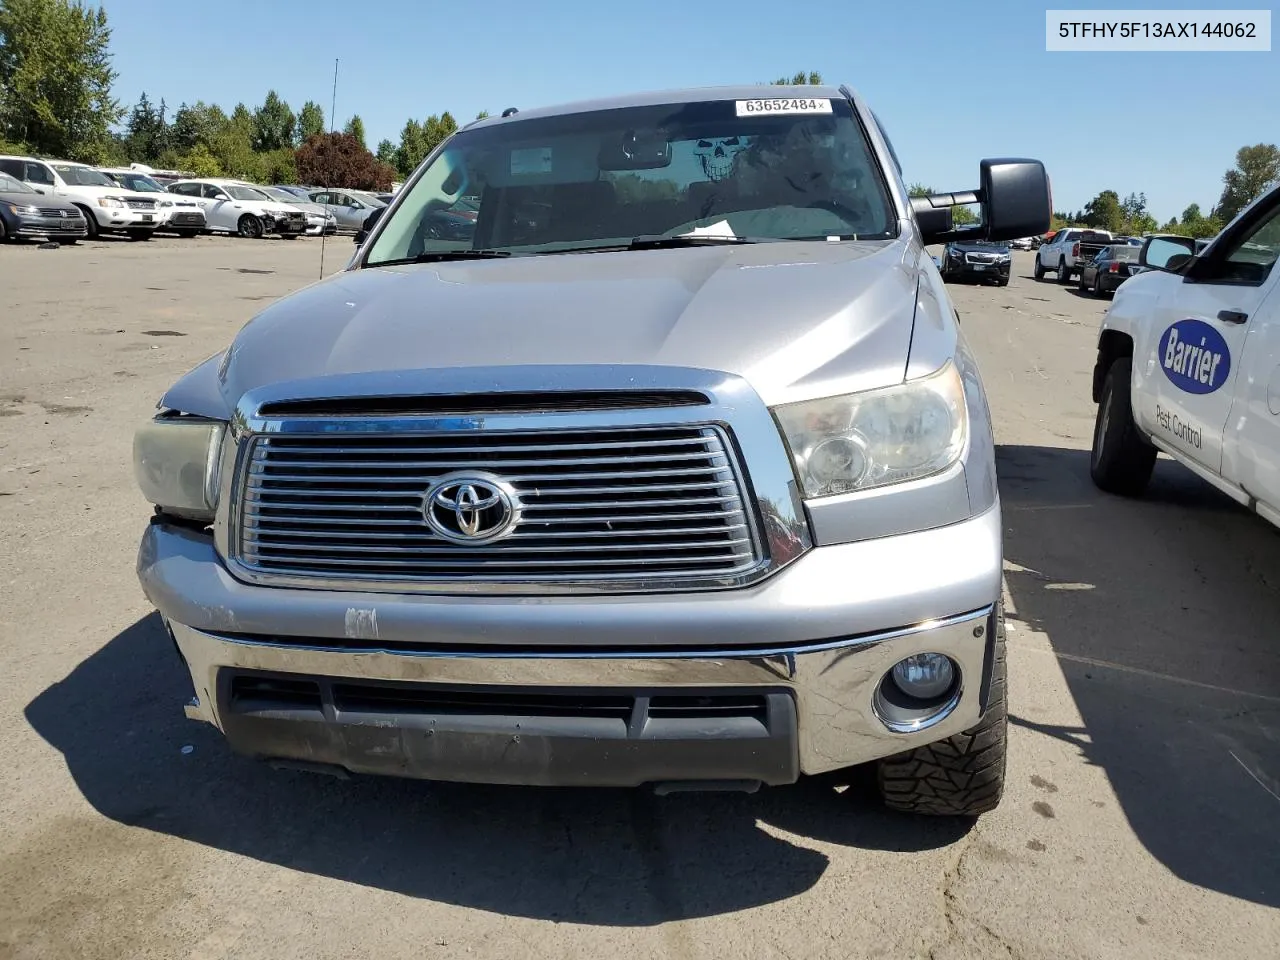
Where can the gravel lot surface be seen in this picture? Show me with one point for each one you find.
(1142, 816)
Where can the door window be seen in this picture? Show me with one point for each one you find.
(39, 173)
(214, 193)
(186, 189)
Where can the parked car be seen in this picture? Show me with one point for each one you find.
(106, 207)
(1069, 251)
(1187, 364)
(1021, 243)
(178, 215)
(1112, 266)
(319, 220)
(231, 206)
(28, 215)
(301, 192)
(980, 260)
(578, 516)
(349, 207)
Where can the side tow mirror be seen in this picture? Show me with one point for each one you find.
(1014, 196)
(1170, 254)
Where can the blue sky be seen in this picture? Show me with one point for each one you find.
(952, 82)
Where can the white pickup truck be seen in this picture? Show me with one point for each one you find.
(1068, 252)
(1189, 364)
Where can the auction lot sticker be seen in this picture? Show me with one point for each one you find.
(753, 108)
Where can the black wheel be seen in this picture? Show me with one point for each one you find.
(1082, 285)
(249, 227)
(961, 776)
(4, 231)
(1097, 284)
(1122, 459)
(139, 234)
(1064, 272)
(188, 234)
(1039, 268)
(91, 222)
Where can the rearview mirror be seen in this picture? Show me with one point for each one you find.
(1014, 196)
(636, 150)
(1166, 253)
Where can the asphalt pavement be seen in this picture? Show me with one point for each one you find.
(1142, 813)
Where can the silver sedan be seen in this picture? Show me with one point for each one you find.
(350, 207)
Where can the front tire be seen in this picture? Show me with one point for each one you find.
(1039, 269)
(249, 227)
(1064, 272)
(1122, 459)
(91, 223)
(961, 776)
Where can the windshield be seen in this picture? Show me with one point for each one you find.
(10, 185)
(140, 183)
(597, 180)
(246, 193)
(82, 176)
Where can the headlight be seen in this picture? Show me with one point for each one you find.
(111, 202)
(864, 440)
(176, 461)
(21, 209)
(166, 203)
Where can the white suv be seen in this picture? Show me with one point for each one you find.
(231, 206)
(107, 208)
(180, 215)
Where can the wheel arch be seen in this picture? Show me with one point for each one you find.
(1112, 345)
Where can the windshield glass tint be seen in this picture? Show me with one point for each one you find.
(10, 185)
(82, 176)
(599, 179)
(246, 193)
(142, 184)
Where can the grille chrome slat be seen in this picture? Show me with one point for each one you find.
(612, 505)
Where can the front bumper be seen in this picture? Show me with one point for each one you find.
(374, 683)
(964, 270)
(41, 226)
(181, 218)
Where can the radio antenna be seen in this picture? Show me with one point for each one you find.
(333, 107)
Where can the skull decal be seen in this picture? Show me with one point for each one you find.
(717, 155)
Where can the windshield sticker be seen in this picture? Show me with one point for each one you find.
(752, 108)
(720, 228)
(1194, 356)
(530, 160)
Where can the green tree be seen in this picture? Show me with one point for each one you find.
(146, 133)
(1256, 169)
(919, 190)
(1104, 212)
(55, 78)
(310, 121)
(200, 162)
(436, 130)
(412, 148)
(387, 152)
(1137, 220)
(482, 115)
(812, 78)
(355, 128)
(273, 124)
(197, 124)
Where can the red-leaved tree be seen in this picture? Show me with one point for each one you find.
(341, 160)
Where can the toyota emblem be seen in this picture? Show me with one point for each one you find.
(470, 508)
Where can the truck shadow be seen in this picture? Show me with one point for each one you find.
(1163, 615)
(607, 857)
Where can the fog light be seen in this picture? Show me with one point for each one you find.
(924, 676)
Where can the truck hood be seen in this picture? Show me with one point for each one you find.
(796, 319)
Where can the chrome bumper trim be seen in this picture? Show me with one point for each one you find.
(834, 682)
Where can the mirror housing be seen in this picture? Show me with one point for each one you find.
(1170, 253)
(369, 222)
(1014, 196)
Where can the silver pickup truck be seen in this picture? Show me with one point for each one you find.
(676, 471)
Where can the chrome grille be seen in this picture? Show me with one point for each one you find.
(57, 212)
(980, 257)
(141, 204)
(616, 505)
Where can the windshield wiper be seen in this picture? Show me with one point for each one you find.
(659, 242)
(440, 256)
